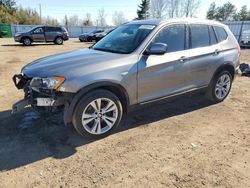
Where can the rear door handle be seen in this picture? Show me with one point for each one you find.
(183, 58)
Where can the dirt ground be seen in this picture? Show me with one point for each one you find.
(183, 142)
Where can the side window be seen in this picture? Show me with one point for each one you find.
(53, 29)
(220, 33)
(48, 29)
(173, 36)
(38, 30)
(213, 39)
(199, 36)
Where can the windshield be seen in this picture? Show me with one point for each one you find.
(125, 39)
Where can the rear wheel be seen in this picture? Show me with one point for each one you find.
(59, 41)
(97, 114)
(89, 39)
(220, 87)
(27, 42)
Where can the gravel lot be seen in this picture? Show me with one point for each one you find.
(183, 142)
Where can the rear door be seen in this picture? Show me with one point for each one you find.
(204, 53)
(163, 75)
(38, 34)
(51, 33)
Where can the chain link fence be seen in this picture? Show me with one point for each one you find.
(238, 28)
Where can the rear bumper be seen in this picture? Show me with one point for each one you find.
(66, 38)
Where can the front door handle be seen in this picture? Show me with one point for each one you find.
(183, 58)
(217, 51)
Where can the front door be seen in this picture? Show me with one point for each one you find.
(164, 75)
(38, 35)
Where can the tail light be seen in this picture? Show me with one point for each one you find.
(238, 49)
(66, 33)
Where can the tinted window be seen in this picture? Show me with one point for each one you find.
(220, 33)
(53, 29)
(38, 30)
(213, 39)
(199, 36)
(173, 36)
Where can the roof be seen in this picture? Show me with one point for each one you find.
(174, 20)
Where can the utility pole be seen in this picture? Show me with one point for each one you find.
(40, 10)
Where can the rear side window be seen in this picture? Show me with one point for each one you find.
(53, 29)
(220, 33)
(213, 39)
(173, 36)
(199, 36)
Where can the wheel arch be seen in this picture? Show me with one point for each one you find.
(229, 67)
(115, 88)
(23, 37)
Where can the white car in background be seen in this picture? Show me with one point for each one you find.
(245, 39)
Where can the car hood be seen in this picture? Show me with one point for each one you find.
(78, 62)
(20, 33)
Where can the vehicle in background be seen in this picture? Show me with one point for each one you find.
(139, 62)
(99, 36)
(43, 34)
(245, 39)
(89, 37)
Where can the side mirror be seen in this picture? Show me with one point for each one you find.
(157, 49)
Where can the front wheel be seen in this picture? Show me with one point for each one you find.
(27, 42)
(220, 87)
(97, 114)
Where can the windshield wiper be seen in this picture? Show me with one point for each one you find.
(109, 50)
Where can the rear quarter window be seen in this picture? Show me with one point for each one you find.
(53, 29)
(220, 33)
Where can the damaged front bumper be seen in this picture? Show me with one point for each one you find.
(38, 98)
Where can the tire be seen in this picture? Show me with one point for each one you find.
(220, 87)
(89, 39)
(81, 40)
(91, 122)
(59, 41)
(26, 41)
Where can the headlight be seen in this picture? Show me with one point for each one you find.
(47, 83)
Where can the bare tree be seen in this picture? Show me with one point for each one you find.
(158, 8)
(184, 8)
(66, 21)
(190, 7)
(118, 18)
(50, 21)
(87, 20)
(74, 21)
(101, 18)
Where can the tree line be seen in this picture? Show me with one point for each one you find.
(10, 13)
(228, 12)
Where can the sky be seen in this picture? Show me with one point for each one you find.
(59, 8)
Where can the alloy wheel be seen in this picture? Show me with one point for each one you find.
(99, 116)
(222, 86)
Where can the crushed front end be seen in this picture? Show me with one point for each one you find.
(40, 93)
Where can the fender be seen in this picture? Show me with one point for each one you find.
(70, 106)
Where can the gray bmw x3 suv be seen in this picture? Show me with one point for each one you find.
(139, 62)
